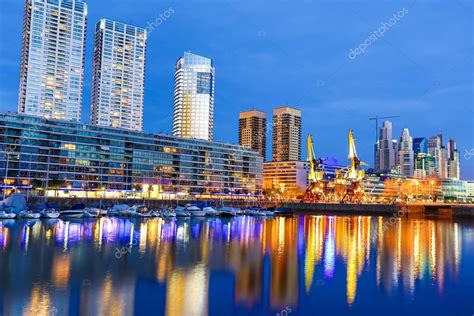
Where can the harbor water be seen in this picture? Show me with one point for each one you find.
(301, 265)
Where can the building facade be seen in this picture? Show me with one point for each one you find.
(89, 159)
(420, 145)
(454, 170)
(52, 59)
(286, 176)
(425, 166)
(193, 113)
(253, 131)
(406, 158)
(439, 153)
(286, 134)
(385, 156)
(118, 75)
(455, 190)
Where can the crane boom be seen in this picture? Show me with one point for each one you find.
(310, 156)
(354, 172)
(376, 119)
(314, 164)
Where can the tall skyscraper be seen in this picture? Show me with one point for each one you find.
(253, 131)
(439, 153)
(118, 75)
(386, 157)
(193, 115)
(286, 134)
(406, 157)
(454, 170)
(52, 59)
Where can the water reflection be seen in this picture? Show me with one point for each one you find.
(73, 267)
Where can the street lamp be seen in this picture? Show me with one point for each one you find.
(432, 182)
(5, 179)
(416, 189)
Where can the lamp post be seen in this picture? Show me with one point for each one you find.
(5, 179)
(431, 190)
(416, 190)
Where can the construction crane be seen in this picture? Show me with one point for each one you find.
(354, 174)
(376, 119)
(316, 187)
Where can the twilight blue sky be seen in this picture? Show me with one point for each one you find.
(272, 53)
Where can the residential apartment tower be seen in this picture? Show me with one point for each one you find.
(193, 114)
(253, 131)
(52, 59)
(286, 134)
(118, 75)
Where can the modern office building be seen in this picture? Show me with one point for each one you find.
(253, 131)
(52, 59)
(439, 153)
(470, 191)
(454, 171)
(406, 157)
(385, 157)
(286, 134)
(425, 166)
(118, 75)
(420, 145)
(193, 114)
(455, 190)
(89, 160)
(286, 176)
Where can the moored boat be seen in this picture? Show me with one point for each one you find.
(116, 210)
(7, 215)
(195, 211)
(49, 213)
(168, 213)
(227, 211)
(268, 213)
(72, 213)
(139, 211)
(91, 213)
(28, 215)
(181, 212)
(210, 211)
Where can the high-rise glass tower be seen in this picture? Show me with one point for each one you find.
(52, 59)
(440, 155)
(406, 159)
(118, 75)
(454, 170)
(193, 114)
(253, 131)
(386, 148)
(286, 134)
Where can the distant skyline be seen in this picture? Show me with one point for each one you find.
(300, 53)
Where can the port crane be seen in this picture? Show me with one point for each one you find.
(353, 175)
(316, 187)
